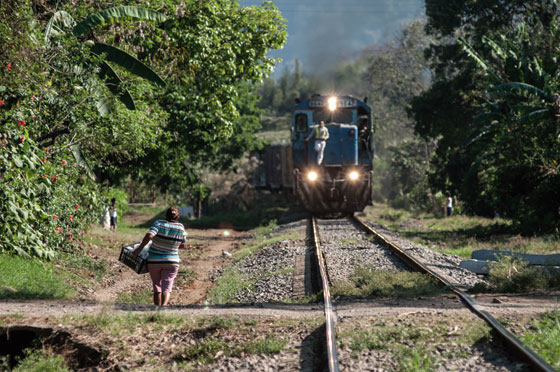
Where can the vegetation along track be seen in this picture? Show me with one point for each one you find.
(344, 254)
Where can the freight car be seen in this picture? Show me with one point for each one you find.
(342, 184)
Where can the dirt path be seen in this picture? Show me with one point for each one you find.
(204, 254)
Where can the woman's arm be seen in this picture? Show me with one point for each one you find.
(145, 241)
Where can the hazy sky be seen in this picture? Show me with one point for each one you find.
(322, 32)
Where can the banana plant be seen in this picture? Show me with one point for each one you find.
(505, 99)
(61, 20)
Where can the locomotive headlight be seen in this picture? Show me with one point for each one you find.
(312, 176)
(354, 175)
(332, 103)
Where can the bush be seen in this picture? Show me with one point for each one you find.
(46, 199)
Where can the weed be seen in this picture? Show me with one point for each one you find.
(351, 242)
(140, 297)
(185, 277)
(270, 344)
(42, 360)
(414, 359)
(510, 274)
(544, 337)
(387, 283)
(203, 352)
(5, 318)
(231, 283)
(82, 262)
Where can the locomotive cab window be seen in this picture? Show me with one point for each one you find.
(301, 123)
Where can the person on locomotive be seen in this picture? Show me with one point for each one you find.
(321, 135)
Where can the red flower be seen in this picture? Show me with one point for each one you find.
(1, 102)
(45, 176)
(21, 123)
(58, 229)
(63, 162)
(9, 67)
(54, 217)
(54, 178)
(44, 160)
(70, 218)
(22, 139)
(47, 150)
(76, 206)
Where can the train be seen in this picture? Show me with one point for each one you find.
(342, 183)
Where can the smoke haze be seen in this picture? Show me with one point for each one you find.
(324, 32)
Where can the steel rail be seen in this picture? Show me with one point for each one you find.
(535, 361)
(332, 355)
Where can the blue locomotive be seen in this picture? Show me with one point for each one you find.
(342, 183)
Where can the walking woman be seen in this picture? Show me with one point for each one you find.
(168, 236)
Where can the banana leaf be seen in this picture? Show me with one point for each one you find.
(60, 17)
(479, 61)
(77, 153)
(535, 115)
(112, 82)
(495, 47)
(517, 88)
(112, 14)
(128, 62)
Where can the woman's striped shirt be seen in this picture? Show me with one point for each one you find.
(168, 236)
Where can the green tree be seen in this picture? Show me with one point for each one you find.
(481, 170)
(210, 52)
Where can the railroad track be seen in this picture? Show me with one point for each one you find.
(322, 281)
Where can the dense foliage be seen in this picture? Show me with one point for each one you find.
(491, 107)
(89, 96)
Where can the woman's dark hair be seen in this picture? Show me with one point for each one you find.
(172, 214)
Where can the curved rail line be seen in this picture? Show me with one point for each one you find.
(332, 355)
(535, 361)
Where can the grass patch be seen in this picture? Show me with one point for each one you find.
(207, 351)
(460, 235)
(270, 344)
(141, 297)
(414, 359)
(25, 278)
(36, 360)
(231, 283)
(129, 323)
(81, 262)
(203, 352)
(366, 283)
(544, 337)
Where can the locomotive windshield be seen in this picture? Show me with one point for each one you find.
(338, 116)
